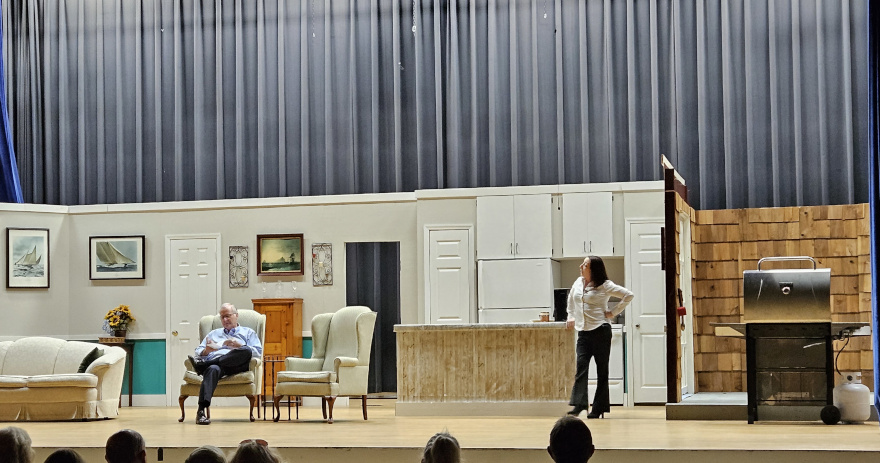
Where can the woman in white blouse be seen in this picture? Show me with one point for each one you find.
(588, 313)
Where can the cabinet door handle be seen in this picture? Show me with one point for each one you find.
(591, 246)
(517, 248)
(511, 248)
(585, 246)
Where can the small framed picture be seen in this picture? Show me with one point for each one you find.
(280, 255)
(116, 257)
(27, 258)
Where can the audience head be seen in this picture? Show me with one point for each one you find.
(15, 446)
(442, 448)
(64, 456)
(255, 451)
(570, 441)
(126, 446)
(206, 454)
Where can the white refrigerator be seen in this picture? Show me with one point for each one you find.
(515, 290)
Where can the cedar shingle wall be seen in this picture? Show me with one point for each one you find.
(728, 242)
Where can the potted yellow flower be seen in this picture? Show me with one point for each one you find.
(117, 320)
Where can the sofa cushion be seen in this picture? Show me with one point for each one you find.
(89, 358)
(246, 377)
(48, 395)
(306, 377)
(34, 356)
(7, 381)
(69, 380)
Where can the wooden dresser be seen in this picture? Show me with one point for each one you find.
(283, 326)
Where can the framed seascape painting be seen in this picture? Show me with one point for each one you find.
(27, 258)
(116, 257)
(280, 254)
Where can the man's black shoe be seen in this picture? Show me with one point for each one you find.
(198, 365)
(201, 418)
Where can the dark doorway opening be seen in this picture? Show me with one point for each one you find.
(373, 279)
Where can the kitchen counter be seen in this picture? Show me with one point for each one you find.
(484, 369)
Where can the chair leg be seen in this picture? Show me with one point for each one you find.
(364, 405)
(208, 412)
(324, 406)
(276, 408)
(182, 411)
(253, 400)
(330, 401)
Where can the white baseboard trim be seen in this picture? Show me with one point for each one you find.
(481, 408)
(144, 400)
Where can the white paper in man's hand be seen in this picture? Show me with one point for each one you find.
(214, 345)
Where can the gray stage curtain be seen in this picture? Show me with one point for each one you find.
(757, 103)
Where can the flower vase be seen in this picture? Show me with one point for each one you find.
(120, 333)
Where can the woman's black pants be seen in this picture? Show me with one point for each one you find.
(592, 344)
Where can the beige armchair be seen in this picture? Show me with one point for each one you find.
(245, 384)
(340, 362)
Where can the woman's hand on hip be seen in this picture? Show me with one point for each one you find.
(569, 324)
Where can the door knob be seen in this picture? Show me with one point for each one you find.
(174, 333)
(638, 325)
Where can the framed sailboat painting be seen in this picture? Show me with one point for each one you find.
(27, 258)
(116, 257)
(280, 255)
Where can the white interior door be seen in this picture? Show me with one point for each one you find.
(450, 269)
(687, 335)
(647, 322)
(193, 292)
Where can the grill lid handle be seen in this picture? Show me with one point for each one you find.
(787, 258)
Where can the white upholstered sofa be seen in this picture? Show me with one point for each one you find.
(39, 380)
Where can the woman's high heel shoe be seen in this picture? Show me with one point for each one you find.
(593, 415)
(575, 411)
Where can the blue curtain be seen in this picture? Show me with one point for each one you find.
(874, 46)
(10, 188)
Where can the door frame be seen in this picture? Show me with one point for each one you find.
(472, 269)
(629, 331)
(686, 285)
(170, 399)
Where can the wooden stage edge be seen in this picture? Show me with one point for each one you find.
(639, 434)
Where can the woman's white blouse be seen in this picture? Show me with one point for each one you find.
(587, 306)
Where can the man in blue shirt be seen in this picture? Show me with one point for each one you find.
(224, 352)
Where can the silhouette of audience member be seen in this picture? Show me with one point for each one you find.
(126, 446)
(442, 448)
(570, 441)
(206, 454)
(255, 451)
(15, 446)
(64, 456)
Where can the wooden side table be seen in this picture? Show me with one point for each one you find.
(276, 363)
(128, 346)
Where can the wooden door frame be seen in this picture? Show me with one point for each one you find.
(170, 396)
(471, 258)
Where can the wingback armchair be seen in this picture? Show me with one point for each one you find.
(246, 384)
(340, 361)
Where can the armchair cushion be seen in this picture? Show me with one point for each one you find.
(246, 377)
(306, 377)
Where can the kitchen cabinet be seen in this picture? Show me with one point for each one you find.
(515, 290)
(514, 227)
(283, 326)
(587, 224)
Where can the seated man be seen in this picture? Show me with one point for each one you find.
(570, 441)
(224, 352)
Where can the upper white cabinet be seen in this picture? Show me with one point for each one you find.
(514, 227)
(587, 224)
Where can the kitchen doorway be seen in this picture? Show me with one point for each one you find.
(372, 272)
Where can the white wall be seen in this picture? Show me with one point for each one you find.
(28, 312)
(75, 305)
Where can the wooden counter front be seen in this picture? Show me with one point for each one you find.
(504, 365)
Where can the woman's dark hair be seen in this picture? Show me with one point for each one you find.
(597, 271)
(442, 448)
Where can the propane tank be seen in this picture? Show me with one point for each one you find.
(853, 399)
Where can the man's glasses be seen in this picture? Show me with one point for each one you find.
(257, 441)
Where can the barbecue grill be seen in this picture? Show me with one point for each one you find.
(789, 355)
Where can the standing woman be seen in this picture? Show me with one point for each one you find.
(588, 313)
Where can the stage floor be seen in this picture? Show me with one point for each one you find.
(627, 434)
